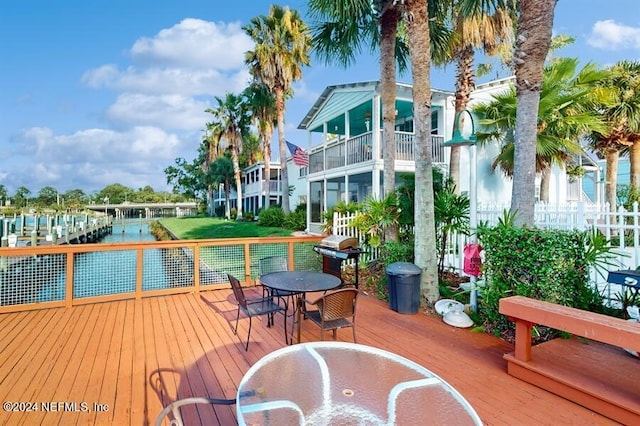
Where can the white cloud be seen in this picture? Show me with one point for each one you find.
(157, 114)
(184, 81)
(195, 43)
(610, 35)
(99, 157)
(167, 111)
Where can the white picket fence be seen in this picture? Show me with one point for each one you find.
(613, 223)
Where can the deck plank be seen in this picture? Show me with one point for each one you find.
(138, 356)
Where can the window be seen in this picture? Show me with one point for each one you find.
(434, 122)
(316, 196)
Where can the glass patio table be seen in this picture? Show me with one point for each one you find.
(299, 283)
(327, 383)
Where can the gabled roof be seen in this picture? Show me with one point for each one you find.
(336, 99)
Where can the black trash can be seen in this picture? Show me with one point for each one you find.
(404, 287)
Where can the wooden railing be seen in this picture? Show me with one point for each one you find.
(64, 276)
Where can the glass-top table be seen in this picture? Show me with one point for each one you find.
(329, 383)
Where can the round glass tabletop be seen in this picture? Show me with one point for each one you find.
(300, 281)
(326, 383)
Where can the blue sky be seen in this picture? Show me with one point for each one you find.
(95, 92)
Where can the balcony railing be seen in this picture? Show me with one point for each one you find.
(55, 276)
(359, 149)
(254, 188)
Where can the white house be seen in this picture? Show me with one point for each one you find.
(254, 184)
(346, 145)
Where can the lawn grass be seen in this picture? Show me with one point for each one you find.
(201, 228)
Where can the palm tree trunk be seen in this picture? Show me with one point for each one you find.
(266, 153)
(227, 200)
(532, 45)
(237, 174)
(634, 164)
(464, 87)
(389, 26)
(425, 229)
(611, 178)
(545, 183)
(284, 175)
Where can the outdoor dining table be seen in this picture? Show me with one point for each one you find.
(299, 283)
(327, 383)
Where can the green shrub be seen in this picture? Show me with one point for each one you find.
(219, 211)
(296, 220)
(549, 265)
(392, 251)
(273, 216)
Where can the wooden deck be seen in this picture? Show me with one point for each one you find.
(133, 357)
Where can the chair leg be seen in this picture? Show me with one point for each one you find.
(335, 333)
(246, 346)
(286, 336)
(354, 333)
(235, 329)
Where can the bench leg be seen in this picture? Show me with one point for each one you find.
(523, 340)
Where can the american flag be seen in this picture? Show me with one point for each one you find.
(300, 157)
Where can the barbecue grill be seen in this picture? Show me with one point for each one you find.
(334, 250)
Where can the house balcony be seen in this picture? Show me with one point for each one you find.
(259, 188)
(359, 149)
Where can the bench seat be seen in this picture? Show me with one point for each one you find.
(591, 368)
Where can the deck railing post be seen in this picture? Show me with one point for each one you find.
(196, 267)
(68, 292)
(139, 270)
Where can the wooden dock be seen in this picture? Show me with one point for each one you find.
(120, 363)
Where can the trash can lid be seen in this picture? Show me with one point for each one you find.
(403, 268)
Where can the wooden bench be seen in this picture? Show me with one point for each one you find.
(599, 376)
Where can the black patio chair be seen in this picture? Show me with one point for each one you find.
(276, 264)
(253, 307)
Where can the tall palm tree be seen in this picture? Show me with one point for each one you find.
(342, 28)
(564, 116)
(262, 104)
(211, 146)
(221, 171)
(533, 39)
(484, 24)
(620, 109)
(231, 115)
(283, 42)
(425, 231)
(340, 31)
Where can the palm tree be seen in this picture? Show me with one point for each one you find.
(211, 146)
(231, 115)
(476, 24)
(533, 39)
(341, 30)
(262, 104)
(282, 47)
(251, 150)
(425, 230)
(564, 116)
(221, 171)
(621, 112)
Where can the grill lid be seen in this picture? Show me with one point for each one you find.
(339, 242)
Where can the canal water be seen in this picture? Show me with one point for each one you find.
(108, 272)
